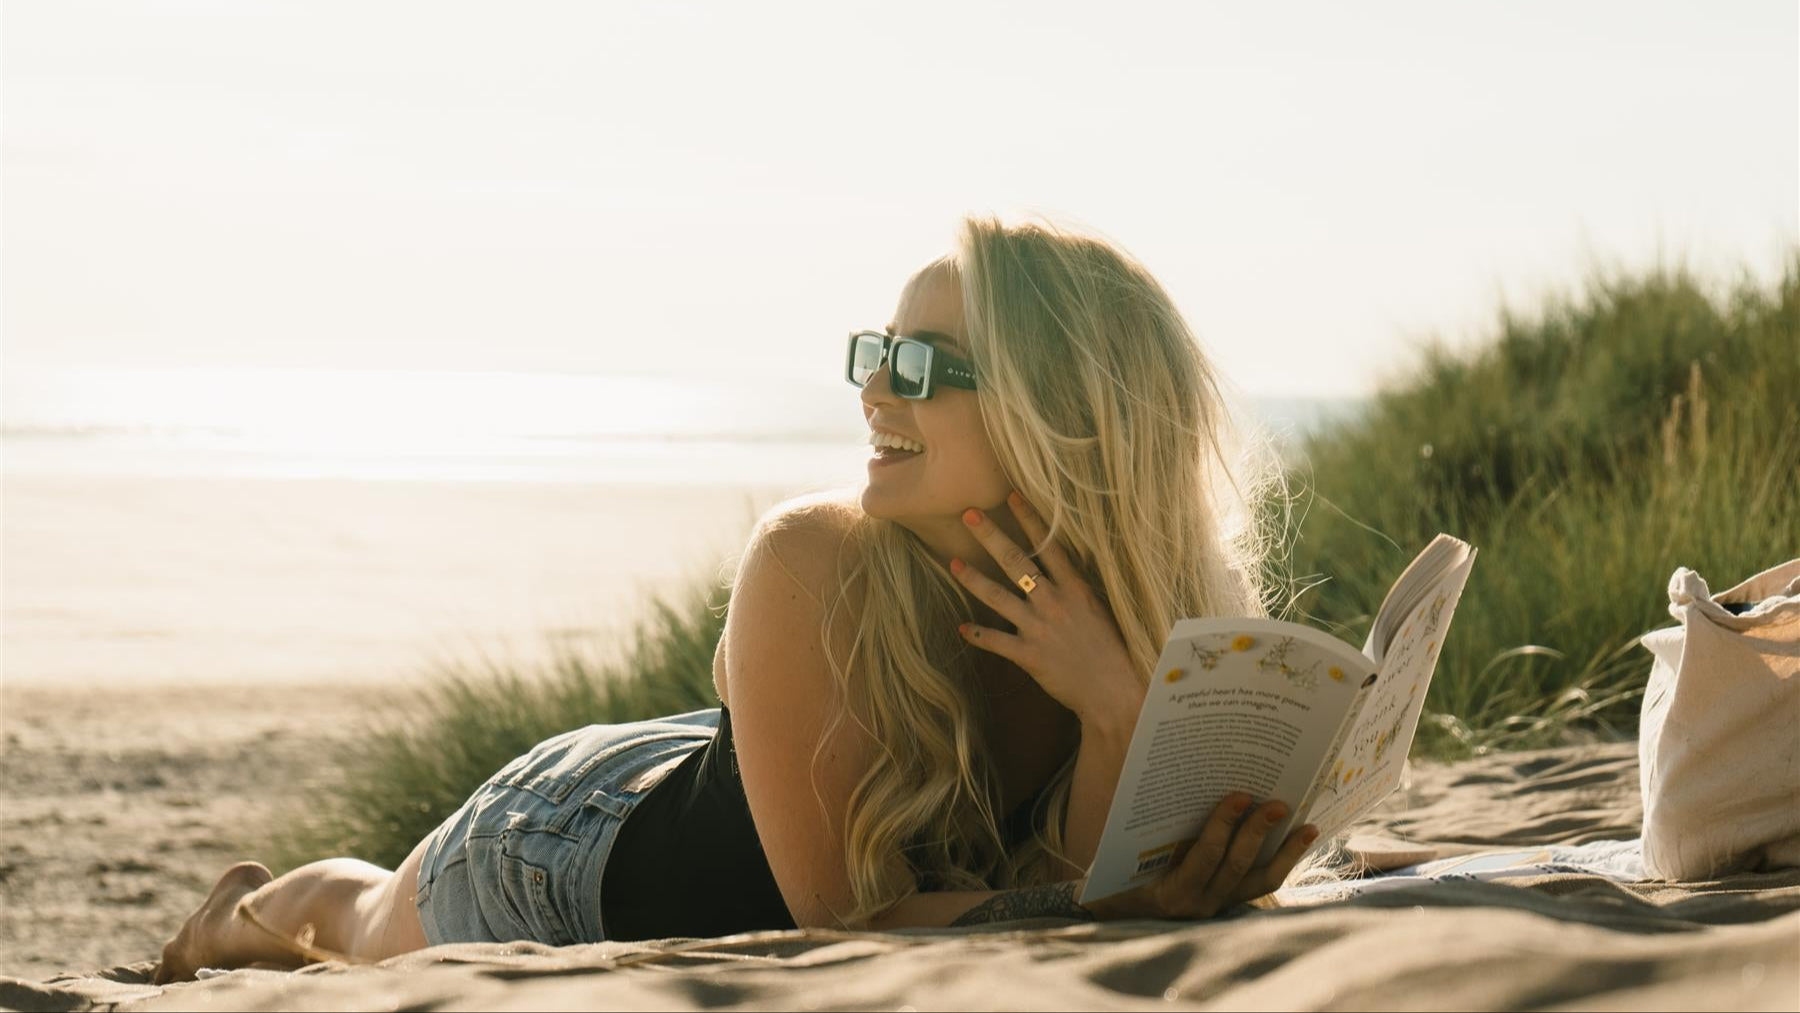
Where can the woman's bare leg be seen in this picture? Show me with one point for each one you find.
(347, 906)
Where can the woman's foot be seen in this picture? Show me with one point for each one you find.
(213, 936)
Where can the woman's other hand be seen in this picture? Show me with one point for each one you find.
(1216, 871)
(1065, 636)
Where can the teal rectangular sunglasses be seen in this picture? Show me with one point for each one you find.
(916, 368)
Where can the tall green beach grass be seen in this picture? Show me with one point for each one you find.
(1586, 448)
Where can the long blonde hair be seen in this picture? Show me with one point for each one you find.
(1106, 415)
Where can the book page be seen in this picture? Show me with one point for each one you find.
(1234, 705)
(1416, 583)
(1368, 767)
(1323, 784)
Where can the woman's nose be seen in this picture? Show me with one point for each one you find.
(877, 389)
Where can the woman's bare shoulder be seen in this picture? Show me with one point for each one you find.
(804, 537)
(830, 511)
(809, 533)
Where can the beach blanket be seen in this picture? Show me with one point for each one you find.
(1534, 899)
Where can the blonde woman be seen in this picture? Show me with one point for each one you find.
(926, 689)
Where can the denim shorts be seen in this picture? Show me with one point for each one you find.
(522, 858)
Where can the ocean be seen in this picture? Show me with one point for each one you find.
(314, 526)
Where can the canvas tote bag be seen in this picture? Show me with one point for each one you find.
(1719, 739)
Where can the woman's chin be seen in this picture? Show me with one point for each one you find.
(876, 503)
(887, 504)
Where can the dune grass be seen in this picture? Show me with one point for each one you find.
(1587, 450)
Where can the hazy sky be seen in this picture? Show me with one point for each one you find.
(731, 187)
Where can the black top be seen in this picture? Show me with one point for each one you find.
(688, 862)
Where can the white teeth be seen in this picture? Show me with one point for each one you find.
(880, 439)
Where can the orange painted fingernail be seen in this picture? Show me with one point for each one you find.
(956, 565)
(971, 517)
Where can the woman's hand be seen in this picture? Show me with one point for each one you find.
(1065, 637)
(1215, 872)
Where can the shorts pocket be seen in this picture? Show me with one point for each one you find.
(526, 888)
(514, 892)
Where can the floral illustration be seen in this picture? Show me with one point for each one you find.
(1276, 660)
(1205, 657)
(1388, 736)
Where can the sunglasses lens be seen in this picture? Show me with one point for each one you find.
(865, 358)
(911, 366)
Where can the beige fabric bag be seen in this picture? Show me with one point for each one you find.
(1719, 739)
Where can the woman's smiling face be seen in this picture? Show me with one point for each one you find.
(928, 492)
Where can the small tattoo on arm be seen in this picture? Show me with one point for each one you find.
(1052, 900)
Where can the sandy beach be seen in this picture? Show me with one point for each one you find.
(118, 809)
(121, 808)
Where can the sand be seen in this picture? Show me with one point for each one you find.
(118, 809)
(108, 846)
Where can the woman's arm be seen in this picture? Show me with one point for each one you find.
(782, 701)
(979, 907)
(1104, 741)
(1065, 637)
(1214, 873)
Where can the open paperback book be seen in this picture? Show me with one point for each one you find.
(1281, 711)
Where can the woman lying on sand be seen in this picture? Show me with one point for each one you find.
(926, 692)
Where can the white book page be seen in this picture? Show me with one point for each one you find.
(1415, 584)
(1368, 767)
(1234, 705)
